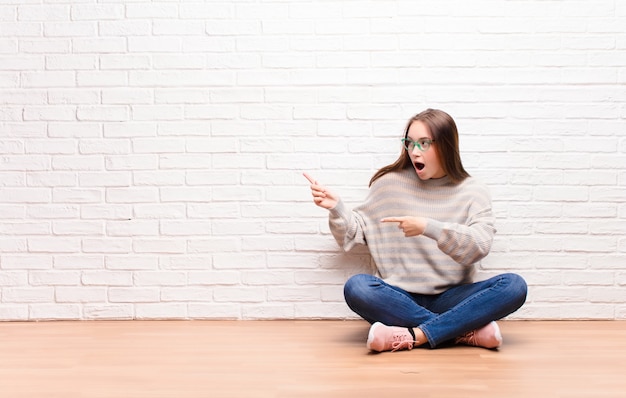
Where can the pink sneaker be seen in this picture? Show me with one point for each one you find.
(488, 337)
(389, 338)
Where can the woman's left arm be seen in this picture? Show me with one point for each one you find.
(465, 243)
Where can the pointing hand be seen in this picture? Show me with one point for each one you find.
(322, 196)
(411, 226)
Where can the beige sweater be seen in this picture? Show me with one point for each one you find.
(459, 233)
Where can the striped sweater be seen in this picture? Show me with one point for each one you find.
(459, 232)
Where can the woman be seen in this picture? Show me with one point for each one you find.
(427, 223)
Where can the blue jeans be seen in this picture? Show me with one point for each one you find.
(442, 317)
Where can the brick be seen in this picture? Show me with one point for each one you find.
(329, 310)
(9, 80)
(236, 261)
(213, 278)
(179, 228)
(80, 294)
(50, 113)
(127, 96)
(186, 294)
(215, 311)
(161, 311)
(44, 294)
(18, 278)
(15, 97)
(186, 262)
(54, 245)
(132, 228)
(125, 263)
(267, 311)
(79, 262)
(108, 311)
(215, 244)
(176, 61)
(133, 295)
(157, 112)
(73, 195)
(97, 179)
(156, 10)
(124, 28)
(109, 246)
(159, 246)
(111, 113)
(97, 12)
(63, 96)
(187, 194)
(217, 11)
(16, 228)
(177, 27)
(269, 243)
(14, 312)
(295, 294)
(239, 294)
(213, 210)
(21, 29)
(103, 45)
(43, 13)
(237, 227)
(70, 29)
(54, 312)
(124, 61)
(267, 278)
(159, 211)
(106, 278)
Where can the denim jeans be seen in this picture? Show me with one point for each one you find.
(442, 317)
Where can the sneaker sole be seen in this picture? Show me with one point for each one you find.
(370, 335)
(497, 334)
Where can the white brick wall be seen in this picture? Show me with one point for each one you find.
(151, 151)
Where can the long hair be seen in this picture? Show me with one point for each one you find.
(445, 141)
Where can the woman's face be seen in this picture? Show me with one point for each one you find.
(426, 164)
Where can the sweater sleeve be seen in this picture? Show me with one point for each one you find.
(470, 241)
(347, 226)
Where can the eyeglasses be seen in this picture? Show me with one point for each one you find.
(423, 144)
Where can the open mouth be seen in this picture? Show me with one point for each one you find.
(419, 166)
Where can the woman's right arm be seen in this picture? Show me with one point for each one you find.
(345, 225)
(322, 196)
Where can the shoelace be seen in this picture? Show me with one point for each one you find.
(400, 341)
(468, 338)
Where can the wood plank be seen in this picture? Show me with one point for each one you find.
(302, 359)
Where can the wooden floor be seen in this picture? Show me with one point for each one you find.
(302, 359)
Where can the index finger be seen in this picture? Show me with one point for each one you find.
(392, 219)
(311, 179)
